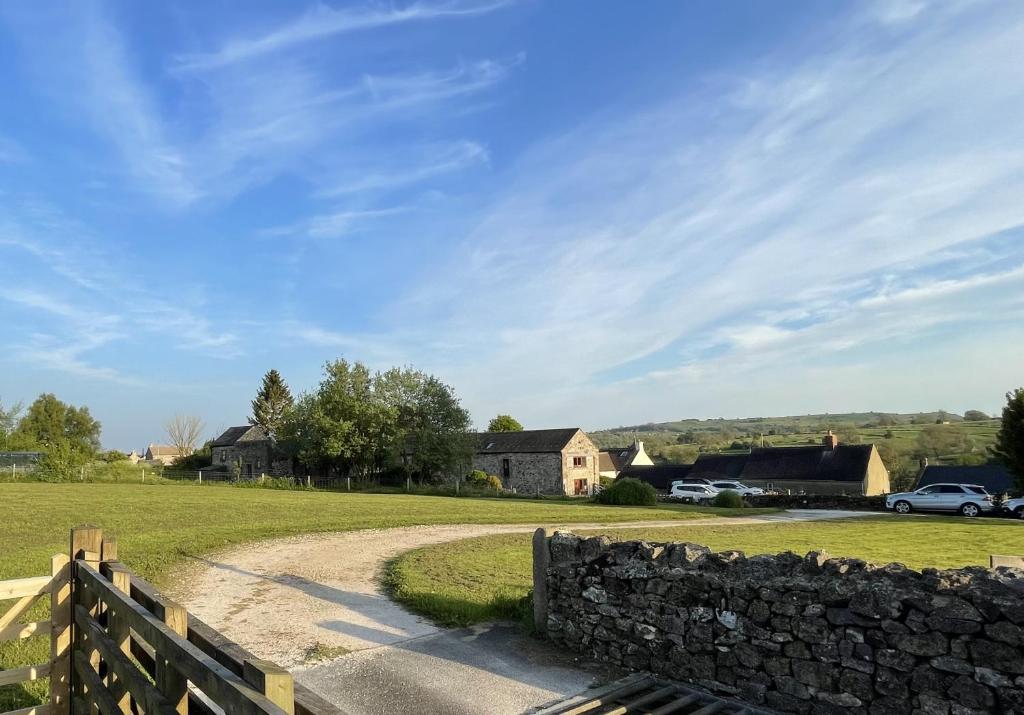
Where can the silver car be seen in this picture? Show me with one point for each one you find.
(967, 499)
(694, 492)
(742, 489)
(1015, 507)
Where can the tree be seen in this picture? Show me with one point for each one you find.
(504, 423)
(184, 432)
(272, 403)
(975, 416)
(943, 441)
(1009, 446)
(8, 422)
(49, 421)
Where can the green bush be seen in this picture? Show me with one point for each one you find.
(728, 499)
(628, 492)
(483, 480)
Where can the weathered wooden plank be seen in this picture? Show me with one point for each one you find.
(679, 703)
(222, 649)
(220, 684)
(273, 681)
(86, 541)
(710, 708)
(17, 631)
(18, 587)
(97, 695)
(22, 675)
(168, 679)
(60, 635)
(131, 677)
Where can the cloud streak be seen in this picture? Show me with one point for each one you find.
(322, 22)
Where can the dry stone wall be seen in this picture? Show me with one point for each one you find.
(797, 634)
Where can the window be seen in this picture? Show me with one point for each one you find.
(223, 457)
(928, 490)
(977, 490)
(580, 487)
(950, 489)
(578, 462)
(506, 470)
(259, 463)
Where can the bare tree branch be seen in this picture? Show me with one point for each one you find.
(184, 432)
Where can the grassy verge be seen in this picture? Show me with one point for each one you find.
(159, 525)
(480, 579)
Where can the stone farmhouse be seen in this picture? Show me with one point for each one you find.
(162, 453)
(828, 468)
(549, 461)
(613, 461)
(250, 448)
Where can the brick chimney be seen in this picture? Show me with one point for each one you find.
(830, 440)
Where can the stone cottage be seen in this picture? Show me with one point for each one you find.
(250, 448)
(548, 461)
(614, 461)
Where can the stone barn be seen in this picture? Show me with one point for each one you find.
(547, 461)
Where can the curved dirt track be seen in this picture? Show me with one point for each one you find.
(294, 599)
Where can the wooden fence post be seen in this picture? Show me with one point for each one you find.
(60, 636)
(541, 560)
(86, 544)
(168, 679)
(273, 681)
(118, 628)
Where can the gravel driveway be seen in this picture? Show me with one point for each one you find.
(302, 600)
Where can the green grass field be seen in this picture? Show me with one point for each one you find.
(484, 578)
(158, 525)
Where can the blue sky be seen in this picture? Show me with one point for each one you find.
(581, 213)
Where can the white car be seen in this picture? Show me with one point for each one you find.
(1015, 507)
(742, 489)
(693, 492)
(967, 499)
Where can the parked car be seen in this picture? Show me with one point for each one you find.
(688, 480)
(693, 492)
(967, 499)
(742, 489)
(1015, 507)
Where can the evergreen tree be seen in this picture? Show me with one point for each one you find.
(1009, 446)
(272, 402)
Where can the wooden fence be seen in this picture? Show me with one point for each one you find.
(119, 647)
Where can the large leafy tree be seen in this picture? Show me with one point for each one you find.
(504, 423)
(272, 403)
(49, 421)
(1009, 446)
(357, 423)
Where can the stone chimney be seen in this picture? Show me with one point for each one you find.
(830, 440)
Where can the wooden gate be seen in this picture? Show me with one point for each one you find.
(119, 647)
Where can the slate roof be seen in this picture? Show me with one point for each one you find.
(162, 450)
(818, 463)
(616, 459)
(536, 440)
(232, 434)
(994, 477)
(660, 476)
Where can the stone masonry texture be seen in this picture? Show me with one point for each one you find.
(808, 634)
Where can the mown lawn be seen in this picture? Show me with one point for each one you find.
(159, 525)
(479, 579)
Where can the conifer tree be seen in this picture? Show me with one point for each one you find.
(272, 402)
(1009, 446)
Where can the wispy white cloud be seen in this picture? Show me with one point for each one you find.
(322, 21)
(628, 240)
(434, 161)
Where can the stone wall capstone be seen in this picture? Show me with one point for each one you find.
(808, 634)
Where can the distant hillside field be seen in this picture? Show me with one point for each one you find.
(902, 439)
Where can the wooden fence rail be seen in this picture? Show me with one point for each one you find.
(119, 647)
